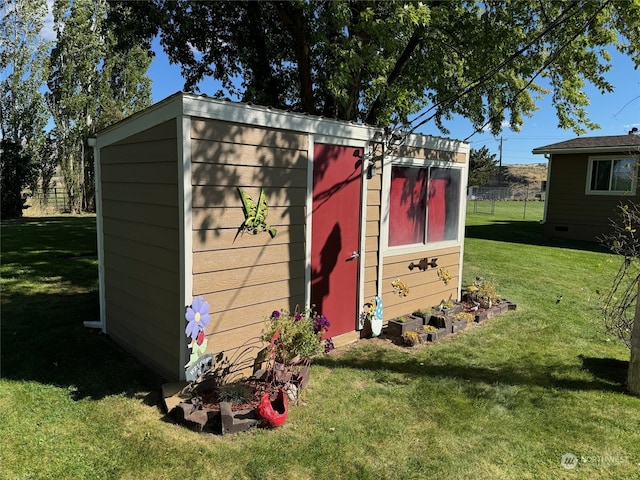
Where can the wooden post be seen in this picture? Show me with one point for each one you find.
(633, 376)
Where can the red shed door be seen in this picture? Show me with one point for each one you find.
(335, 234)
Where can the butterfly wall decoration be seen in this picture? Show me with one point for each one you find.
(255, 214)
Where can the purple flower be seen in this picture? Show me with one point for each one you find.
(321, 324)
(297, 317)
(275, 314)
(197, 317)
(328, 345)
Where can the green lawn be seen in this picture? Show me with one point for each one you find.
(504, 400)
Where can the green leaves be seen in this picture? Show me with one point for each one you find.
(91, 85)
(404, 62)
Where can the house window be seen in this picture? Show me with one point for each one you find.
(609, 175)
(424, 204)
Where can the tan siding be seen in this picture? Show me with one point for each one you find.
(370, 290)
(252, 295)
(438, 155)
(230, 340)
(163, 172)
(148, 326)
(125, 270)
(225, 197)
(216, 131)
(153, 346)
(575, 214)
(155, 235)
(372, 233)
(373, 197)
(146, 214)
(243, 276)
(227, 152)
(225, 238)
(141, 229)
(217, 260)
(144, 290)
(371, 259)
(144, 252)
(139, 193)
(214, 218)
(425, 288)
(243, 176)
(146, 153)
(373, 213)
(256, 314)
(235, 279)
(372, 229)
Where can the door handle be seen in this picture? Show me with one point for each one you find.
(354, 255)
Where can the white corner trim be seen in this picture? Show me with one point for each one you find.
(308, 222)
(161, 112)
(185, 203)
(102, 323)
(362, 248)
(546, 191)
(463, 220)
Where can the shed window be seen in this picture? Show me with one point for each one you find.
(611, 176)
(424, 205)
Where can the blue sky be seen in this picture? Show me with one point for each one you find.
(616, 112)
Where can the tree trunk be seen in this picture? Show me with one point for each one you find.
(633, 378)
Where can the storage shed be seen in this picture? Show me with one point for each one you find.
(352, 211)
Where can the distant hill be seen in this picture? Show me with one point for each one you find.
(523, 181)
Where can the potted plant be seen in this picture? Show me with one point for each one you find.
(300, 335)
(400, 325)
(429, 333)
(441, 321)
(410, 338)
(424, 314)
(447, 308)
(460, 321)
(482, 300)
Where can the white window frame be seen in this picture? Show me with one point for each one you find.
(386, 196)
(611, 158)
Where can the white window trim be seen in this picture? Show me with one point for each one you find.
(634, 180)
(386, 194)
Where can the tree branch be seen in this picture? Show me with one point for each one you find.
(402, 61)
(293, 19)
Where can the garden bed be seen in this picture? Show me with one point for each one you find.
(447, 321)
(228, 408)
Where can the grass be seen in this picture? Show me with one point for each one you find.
(503, 400)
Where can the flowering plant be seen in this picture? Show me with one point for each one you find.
(300, 334)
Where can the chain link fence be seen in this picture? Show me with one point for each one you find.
(484, 199)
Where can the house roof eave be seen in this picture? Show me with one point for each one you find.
(616, 149)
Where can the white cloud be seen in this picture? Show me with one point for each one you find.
(47, 32)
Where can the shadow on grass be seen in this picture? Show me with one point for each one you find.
(609, 374)
(49, 288)
(607, 369)
(528, 233)
(44, 340)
